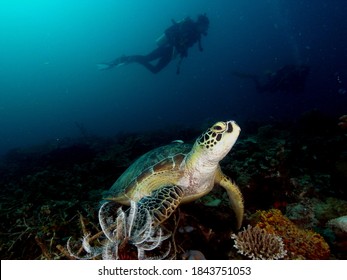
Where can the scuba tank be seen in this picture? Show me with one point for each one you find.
(162, 40)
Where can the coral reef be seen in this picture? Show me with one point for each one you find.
(314, 212)
(52, 191)
(257, 244)
(340, 223)
(299, 243)
(338, 227)
(302, 213)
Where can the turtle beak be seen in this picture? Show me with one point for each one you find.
(231, 126)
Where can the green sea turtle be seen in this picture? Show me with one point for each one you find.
(177, 173)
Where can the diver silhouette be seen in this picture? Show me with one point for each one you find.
(175, 41)
(290, 78)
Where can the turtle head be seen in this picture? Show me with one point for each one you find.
(217, 141)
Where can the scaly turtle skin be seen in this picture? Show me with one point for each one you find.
(177, 173)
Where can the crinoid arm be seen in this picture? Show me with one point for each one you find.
(113, 228)
(145, 231)
(92, 252)
(132, 217)
(132, 227)
(142, 232)
(141, 254)
(110, 251)
(154, 240)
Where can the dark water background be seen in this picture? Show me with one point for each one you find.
(50, 88)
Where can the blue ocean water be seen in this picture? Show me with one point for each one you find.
(50, 87)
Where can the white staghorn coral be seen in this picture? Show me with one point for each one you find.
(135, 229)
(257, 244)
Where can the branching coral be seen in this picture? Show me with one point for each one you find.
(257, 244)
(299, 243)
(127, 231)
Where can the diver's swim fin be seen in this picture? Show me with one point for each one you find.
(115, 63)
(104, 66)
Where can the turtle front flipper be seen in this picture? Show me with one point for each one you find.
(161, 203)
(235, 196)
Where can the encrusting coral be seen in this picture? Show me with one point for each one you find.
(257, 244)
(299, 243)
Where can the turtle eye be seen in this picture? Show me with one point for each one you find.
(218, 127)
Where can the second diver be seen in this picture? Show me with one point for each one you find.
(175, 42)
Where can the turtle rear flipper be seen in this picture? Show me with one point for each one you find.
(161, 203)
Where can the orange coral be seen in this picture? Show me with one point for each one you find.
(299, 243)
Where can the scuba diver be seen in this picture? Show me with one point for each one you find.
(175, 41)
(289, 78)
